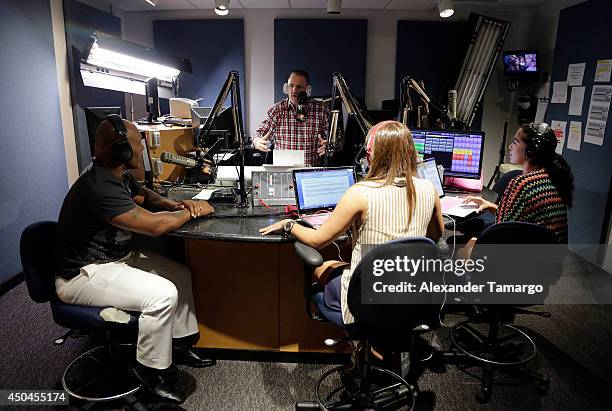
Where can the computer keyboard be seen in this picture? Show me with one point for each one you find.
(186, 122)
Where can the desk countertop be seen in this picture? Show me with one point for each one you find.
(229, 223)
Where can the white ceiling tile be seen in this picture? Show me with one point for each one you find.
(308, 4)
(364, 4)
(210, 4)
(411, 4)
(263, 4)
(141, 5)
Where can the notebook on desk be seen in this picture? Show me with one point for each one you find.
(451, 205)
(317, 191)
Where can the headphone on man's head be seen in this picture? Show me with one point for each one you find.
(539, 139)
(121, 149)
(286, 89)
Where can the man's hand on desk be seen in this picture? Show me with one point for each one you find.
(483, 205)
(197, 208)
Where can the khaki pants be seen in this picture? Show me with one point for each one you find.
(157, 287)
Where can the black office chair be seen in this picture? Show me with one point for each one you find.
(390, 328)
(100, 374)
(489, 337)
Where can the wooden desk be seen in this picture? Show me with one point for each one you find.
(178, 140)
(249, 289)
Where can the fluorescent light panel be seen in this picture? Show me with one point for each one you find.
(122, 62)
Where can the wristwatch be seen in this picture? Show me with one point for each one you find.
(288, 227)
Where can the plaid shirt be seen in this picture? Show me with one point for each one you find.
(290, 134)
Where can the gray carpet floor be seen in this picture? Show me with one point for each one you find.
(575, 351)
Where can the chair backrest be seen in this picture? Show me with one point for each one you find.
(522, 262)
(394, 316)
(37, 248)
(502, 183)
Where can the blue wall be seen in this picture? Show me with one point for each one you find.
(592, 165)
(214, 47)
(321, 47)
(32, 160)
(80, 21)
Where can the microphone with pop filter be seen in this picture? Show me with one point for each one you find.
(302, 100)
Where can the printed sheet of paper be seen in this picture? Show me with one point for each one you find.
(574, 137)
(598, 114)
(559, 92)
(603, 70)
(559, 129)
(575, 74)
(576, 101)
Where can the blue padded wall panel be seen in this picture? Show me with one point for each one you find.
(592, 165)
(214, 47)
(80, 21)
(432, 51)
(321, 47)
(32, 160)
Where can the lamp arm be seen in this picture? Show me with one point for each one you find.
(204, 131)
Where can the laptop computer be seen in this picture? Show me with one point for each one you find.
(451, 205)
(318, 190)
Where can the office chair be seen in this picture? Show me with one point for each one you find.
(489, 337)
(100, 374)
(390, 328)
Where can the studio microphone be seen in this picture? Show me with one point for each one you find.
(302, 100)
(172, 158)
(452, 104)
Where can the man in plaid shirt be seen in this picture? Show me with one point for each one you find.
(282, 125)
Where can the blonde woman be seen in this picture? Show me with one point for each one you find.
(390, 203)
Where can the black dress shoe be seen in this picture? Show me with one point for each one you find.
(186, 356)
(153, 380)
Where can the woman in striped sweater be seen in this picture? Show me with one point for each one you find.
(543, 193)
(390, 203)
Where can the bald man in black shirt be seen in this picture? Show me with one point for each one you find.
(96, 267)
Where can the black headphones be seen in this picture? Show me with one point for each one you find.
(540, 141)
(121, 148)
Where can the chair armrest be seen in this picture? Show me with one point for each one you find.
(309, 255)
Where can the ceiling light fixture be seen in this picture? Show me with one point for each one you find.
(445, 8)
(333, 6)
(222, 7)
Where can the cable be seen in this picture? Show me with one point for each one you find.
(339, 256)
(444, 272)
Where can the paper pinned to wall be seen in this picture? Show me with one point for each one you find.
(574, 137)
(603, 70)
(576, 101)
(542, 102)
(598, 115)
(559, 129)
(559, 92)
(575, 74)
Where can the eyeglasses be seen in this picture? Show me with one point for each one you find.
(539, 128)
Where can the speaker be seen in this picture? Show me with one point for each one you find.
(121, 148)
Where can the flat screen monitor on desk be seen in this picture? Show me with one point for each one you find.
(459, 152)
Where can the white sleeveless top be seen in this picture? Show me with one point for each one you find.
(386, 220)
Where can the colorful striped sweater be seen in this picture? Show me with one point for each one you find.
(533, 198)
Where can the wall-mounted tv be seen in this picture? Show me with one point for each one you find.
(520, 62)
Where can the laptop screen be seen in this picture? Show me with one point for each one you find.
(427, 170)
(320, 189)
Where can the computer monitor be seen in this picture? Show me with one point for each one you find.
(152, 100)
(94, 116)
(459, 152)
(222, 134)
(520, 62)
(318, 189)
